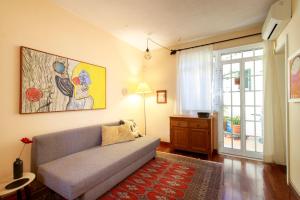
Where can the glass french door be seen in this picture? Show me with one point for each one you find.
(242, 128)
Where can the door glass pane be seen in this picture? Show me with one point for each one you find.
(236, 127)
(259, 114)
(236, 68)
(236, 55)
(259, 52)
(250, 143)
(235, 81)
(249, 83)
(227, 125)
(236, 98)
(259, 98)
(259, 144)
(226, 69)
(249, 98)
(226, 57)
(247, 54)
(227, 98)
(258, 67)
(249, 68)
(250, 131)
(227, 111)
(236, 141)
(236, 111)
(226, 85)
(249, 113)
(235, 84)
(258, 129)
(227, 140)
(259, 83)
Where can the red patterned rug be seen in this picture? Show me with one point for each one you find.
(171, 177)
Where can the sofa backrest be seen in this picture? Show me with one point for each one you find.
(48, 147)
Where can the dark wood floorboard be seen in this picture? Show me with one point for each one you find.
(247, 179)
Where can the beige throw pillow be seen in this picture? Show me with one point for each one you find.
(124, 134)
(115, 134)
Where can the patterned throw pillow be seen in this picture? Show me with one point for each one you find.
(132, 126)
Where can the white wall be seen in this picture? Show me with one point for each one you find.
(160, 73)
(293, 32)
(44, 26)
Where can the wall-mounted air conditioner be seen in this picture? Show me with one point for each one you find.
(278, 17)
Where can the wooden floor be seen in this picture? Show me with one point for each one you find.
(247, 179)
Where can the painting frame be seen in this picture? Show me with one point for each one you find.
(89, 84)
(293, 83)
(161, 96)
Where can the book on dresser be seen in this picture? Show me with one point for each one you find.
(191, 133)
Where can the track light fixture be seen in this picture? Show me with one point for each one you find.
(148, 55)
(174, 51)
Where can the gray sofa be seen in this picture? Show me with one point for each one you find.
(73, 164)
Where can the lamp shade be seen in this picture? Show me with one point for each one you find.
(143, 88)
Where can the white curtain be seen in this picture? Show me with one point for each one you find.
(274, 106)
(194, 80)
(217, 84)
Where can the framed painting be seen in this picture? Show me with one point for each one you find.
(52, 83)
(294, 77)
(161, 96)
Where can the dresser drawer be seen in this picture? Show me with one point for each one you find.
(179, 123)
(199, 124)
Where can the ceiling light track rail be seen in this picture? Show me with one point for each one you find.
(148, 55)
(149, 39)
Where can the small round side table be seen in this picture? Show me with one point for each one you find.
(16, 185)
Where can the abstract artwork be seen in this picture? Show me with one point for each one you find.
(294, 77)
(51, 83)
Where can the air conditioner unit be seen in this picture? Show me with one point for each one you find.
(278, 17)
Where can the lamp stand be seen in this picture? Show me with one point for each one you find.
(145, 118)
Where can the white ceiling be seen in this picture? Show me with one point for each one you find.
(168, 22)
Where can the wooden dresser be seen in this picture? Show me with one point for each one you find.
(192, 134)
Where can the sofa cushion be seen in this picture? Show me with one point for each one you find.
(75, 174)
(48, 147)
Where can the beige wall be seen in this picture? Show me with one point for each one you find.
(161, 74)
(293, 32)
(44, 26)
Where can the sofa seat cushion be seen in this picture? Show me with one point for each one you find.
(73, 175)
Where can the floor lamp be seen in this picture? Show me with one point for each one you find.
(143, 88)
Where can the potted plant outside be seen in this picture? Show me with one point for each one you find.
(236, 124)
